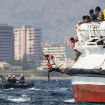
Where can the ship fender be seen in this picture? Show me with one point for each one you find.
(84, 72)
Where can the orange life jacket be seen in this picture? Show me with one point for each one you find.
(75, 39)
(50, 56)
(49, 65)
(84, 20)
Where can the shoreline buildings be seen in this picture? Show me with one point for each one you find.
(27, 44)
(6, 42)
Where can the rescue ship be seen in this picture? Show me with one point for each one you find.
(88, 72)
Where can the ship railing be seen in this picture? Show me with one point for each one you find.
(100, 39)
(95, 28)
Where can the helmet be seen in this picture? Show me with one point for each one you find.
(13, 75)
(21, 75)
(9, 75)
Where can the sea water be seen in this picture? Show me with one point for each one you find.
(55, 92)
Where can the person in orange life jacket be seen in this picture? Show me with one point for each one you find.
(51, 65)
(74, 40)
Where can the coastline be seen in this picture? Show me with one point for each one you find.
(41, 78)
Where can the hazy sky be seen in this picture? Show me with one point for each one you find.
(55, 17)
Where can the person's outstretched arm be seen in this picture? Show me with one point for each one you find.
(43, 58)
(42, 52)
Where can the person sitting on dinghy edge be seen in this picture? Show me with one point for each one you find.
(22, 79)
(73, 41)
(9, 80)
(51, 65)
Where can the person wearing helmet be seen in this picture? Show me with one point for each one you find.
(22, 79)
(14, 79)
(9, 80)
(51, 65)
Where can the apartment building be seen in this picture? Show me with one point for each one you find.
(6, 42)
(60, 56)
(67, 41)
(27, 44)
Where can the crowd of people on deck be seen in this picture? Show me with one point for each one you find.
(14, 80)
(99, 15)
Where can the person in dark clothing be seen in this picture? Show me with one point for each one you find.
(87, 18)
(22, 79)
(14, 79)
(93, 17)
(9, 80)
(99, 13)
(84, 19)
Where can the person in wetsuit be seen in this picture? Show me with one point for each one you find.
(22, 79)
(9, 80)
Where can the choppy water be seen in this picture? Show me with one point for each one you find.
(56, 92)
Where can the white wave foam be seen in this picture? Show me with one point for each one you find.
(70, 100)
(17, 99)
(24, 95)
(33, 89)
(63, 89)
(21, 99)
(9, 89)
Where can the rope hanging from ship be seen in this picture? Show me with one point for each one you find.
(100, 65)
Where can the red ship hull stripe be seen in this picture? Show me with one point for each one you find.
(89, 92)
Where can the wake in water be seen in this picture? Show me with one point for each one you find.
(19, 99)
(9, 89)
(33, 88)
(23, 98)
(44, 93)
(70, 100)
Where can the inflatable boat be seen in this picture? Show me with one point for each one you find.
(18, 85)
(5, 85)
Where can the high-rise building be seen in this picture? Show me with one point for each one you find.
(27, 44)
(6, 42)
